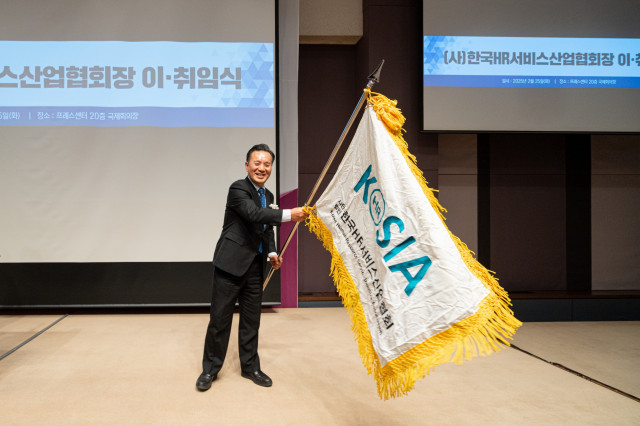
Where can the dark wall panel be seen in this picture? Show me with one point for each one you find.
(528, 232)
(328, 93)
(528, 211)
(527, 154)
(100, 284)
(112, 284)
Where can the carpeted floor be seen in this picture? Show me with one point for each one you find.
(141, 369)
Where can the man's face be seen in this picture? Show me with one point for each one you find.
(259, 167)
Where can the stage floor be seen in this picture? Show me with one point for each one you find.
(141, 369)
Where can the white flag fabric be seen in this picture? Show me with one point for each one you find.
(416, 297)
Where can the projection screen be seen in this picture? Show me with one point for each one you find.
(544, 66)
(122, 124)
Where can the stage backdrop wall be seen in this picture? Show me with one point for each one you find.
(552, 213)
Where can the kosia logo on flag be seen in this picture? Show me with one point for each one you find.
(411, 281)
(377, 209)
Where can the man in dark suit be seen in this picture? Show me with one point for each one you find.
(240, 261)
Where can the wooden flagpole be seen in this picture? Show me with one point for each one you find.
(373, 78)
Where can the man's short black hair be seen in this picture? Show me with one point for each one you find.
(261, 147)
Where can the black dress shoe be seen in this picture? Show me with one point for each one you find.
(205, 380)
(258, 377)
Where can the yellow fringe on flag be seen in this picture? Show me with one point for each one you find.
(483, 333)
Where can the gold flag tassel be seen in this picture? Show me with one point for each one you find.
(483, 333)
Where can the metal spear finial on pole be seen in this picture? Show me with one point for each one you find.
(373, 78)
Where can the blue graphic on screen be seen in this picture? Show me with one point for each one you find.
(119, 83)
(531, 62)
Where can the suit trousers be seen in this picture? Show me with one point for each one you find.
(247, 290)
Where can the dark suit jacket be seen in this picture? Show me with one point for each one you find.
(243, 228)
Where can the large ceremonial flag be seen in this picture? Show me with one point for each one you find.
(416, 295)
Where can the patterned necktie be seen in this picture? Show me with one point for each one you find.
(263, 204)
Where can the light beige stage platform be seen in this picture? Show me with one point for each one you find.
(141, 369)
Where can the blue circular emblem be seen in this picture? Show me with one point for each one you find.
(376, 206)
